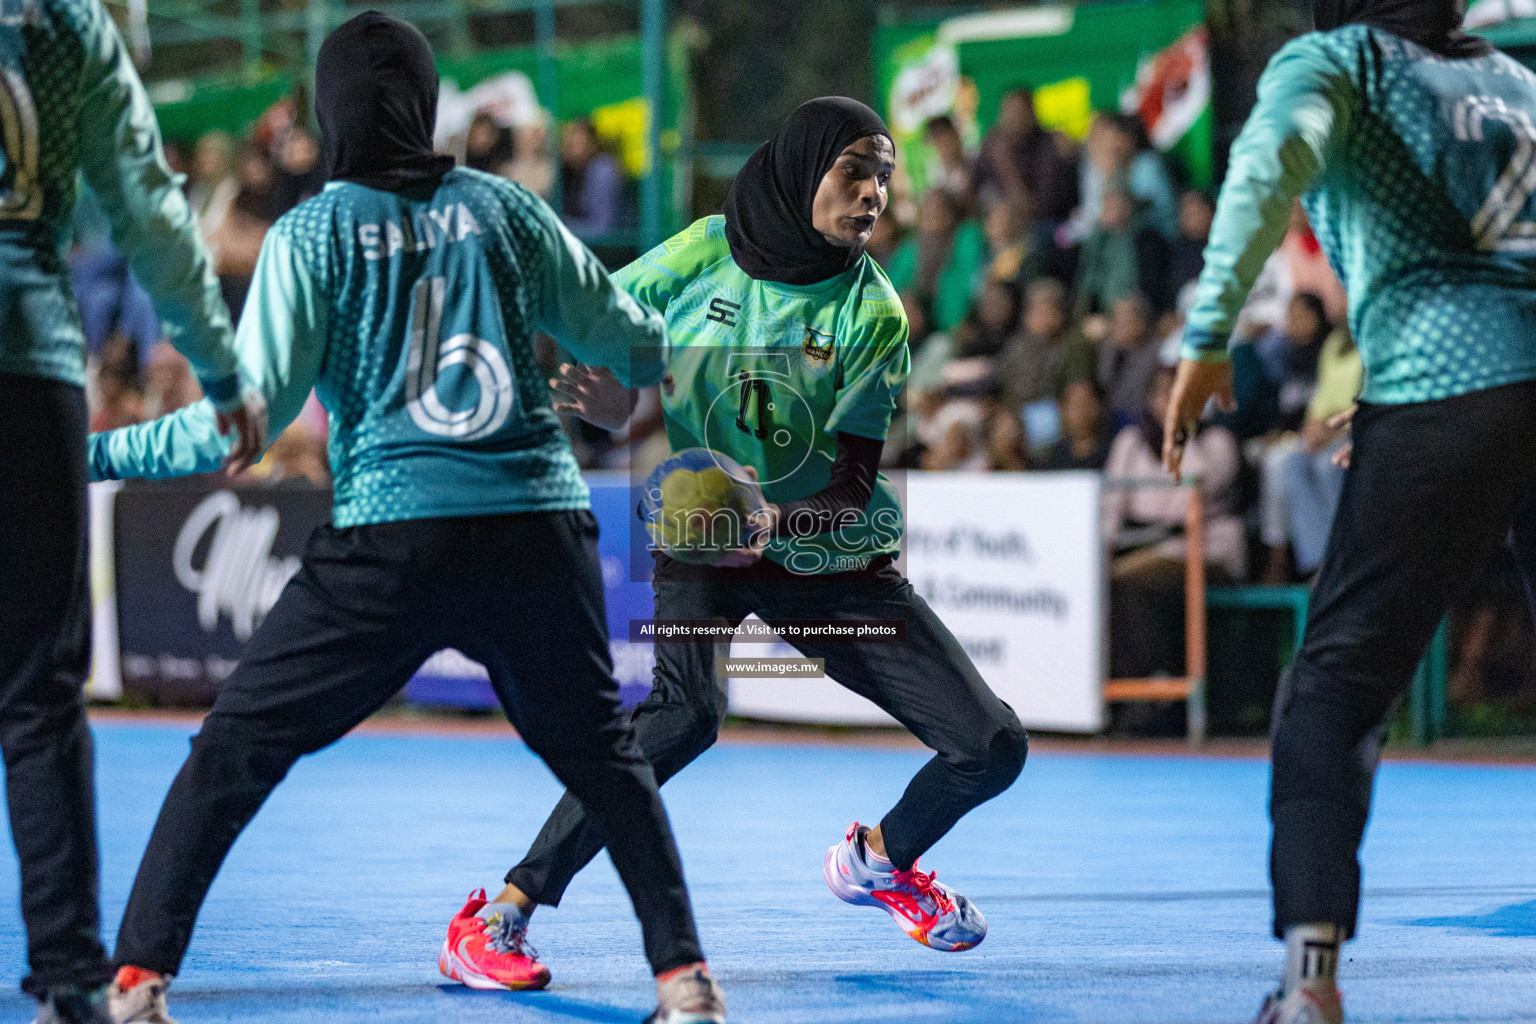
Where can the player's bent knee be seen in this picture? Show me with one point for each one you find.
(1009, 751)
(996, 759)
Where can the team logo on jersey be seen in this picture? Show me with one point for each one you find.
(817, 348)
(723, 311)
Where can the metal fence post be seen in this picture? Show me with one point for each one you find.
(1194, 614)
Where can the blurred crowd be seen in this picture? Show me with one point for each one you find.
(1046, 284)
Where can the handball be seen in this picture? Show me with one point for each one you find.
(697, 506)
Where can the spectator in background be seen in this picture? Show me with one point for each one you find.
(1299, 351)
(1297, 266)
(178, 155)
(1312, 482)
(1257, 395)
(1086, 433)
(955, 173)
(298, 175)
(1014, 254)
(991, 324)
(1128, 358)
(1290, 356)
(488, 146)
(531, 166)
(119, 396)
(1007, 443)
(940, 260)
(1037, 361)
(1196, 212)
(1118, 154)
(1020, 161)
(237, 242)
(1145, 528)
(169, 383)
(214, 182)
(1121, 257)
(591, 183)
(954, 435)
(883, 241)
(112, 304)
(1309, 268)
(931, 349)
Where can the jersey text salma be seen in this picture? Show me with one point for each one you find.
(770, 373)
(1417, 173)
(413, 315)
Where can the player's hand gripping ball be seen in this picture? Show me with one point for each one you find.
(698, 505)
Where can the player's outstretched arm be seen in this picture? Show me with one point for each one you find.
(1305, 99)
(281, 341)
(597, 321)
(122, 159)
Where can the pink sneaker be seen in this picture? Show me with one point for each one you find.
(487, 947)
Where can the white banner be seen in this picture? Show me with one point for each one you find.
(1014, 566)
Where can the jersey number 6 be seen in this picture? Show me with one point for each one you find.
(427, 359)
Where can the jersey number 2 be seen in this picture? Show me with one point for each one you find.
(1495, 226)
(18, 123)
(428, 358)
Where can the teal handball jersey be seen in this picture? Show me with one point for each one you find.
(413, 316)
(1418, 175)
(771, 373)
(71, 104)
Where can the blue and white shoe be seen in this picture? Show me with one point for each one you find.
(1302, 1006)
(927, 910)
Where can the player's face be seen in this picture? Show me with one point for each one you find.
(852, 195)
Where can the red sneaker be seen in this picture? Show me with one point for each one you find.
(491, 951)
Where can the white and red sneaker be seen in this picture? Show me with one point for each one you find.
(137, 996)
(928, 911)
(487, 947)
(688, 995)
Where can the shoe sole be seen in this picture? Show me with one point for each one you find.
(455, 968)
(861, 897)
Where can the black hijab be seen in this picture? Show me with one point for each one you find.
(768, 210)
(376, 100)
(1433, 24)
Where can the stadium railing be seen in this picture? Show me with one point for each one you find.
(1189, 688)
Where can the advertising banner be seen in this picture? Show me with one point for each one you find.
(1014, 566)
(1148, 59)
(197, 570)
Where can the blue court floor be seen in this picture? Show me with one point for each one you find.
(1120, 890)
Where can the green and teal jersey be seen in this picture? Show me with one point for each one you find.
(71, 104)
(770, 373)
(1417, 174)
(413, 317)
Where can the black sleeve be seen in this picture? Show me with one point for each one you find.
(852, 485)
